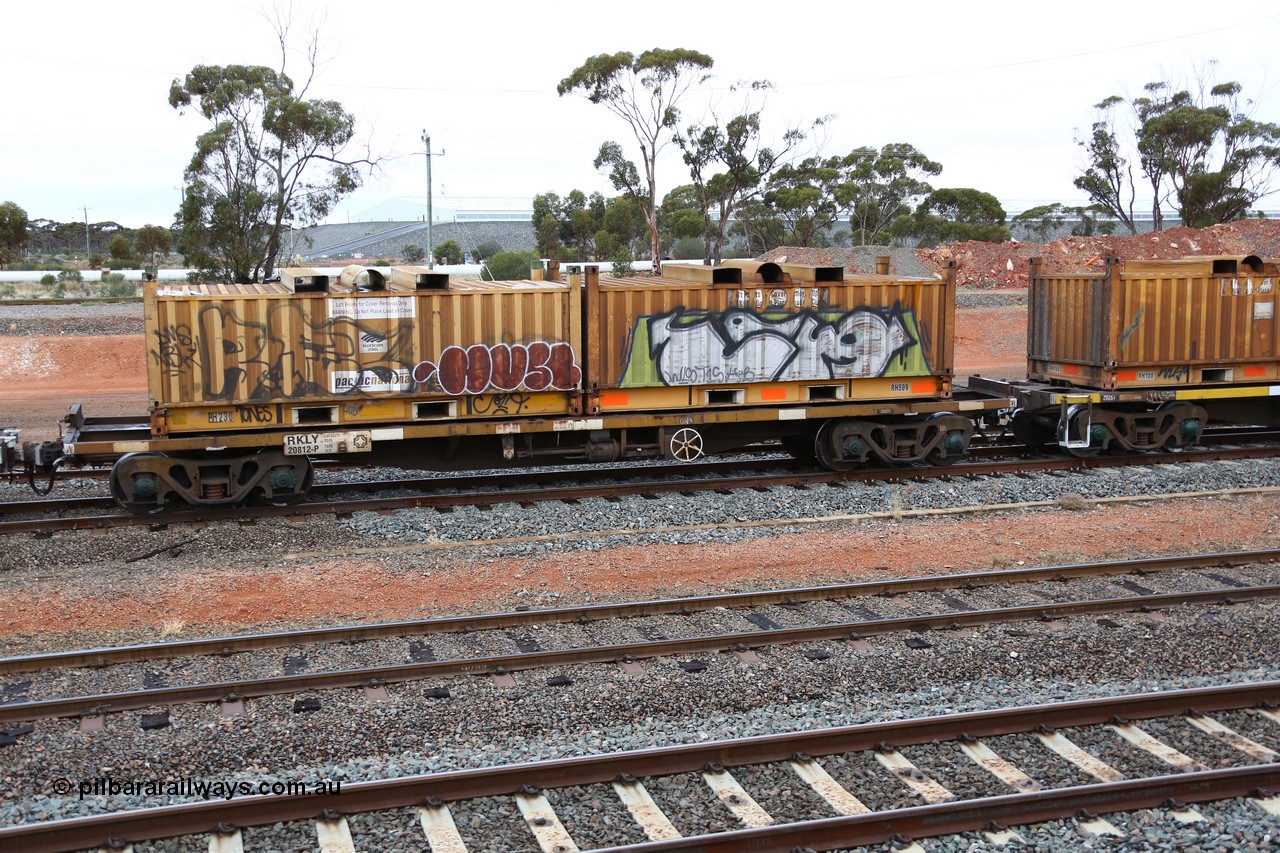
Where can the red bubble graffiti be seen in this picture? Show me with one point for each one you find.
(538, 366)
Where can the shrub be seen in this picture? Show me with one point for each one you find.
(622, 264)
(414, 253)
(95, 260)
(48, 279)
(448, 252)
(60, 291)
(122, 264)
(114, 289)
(8, 291)
(487, 250)
(508, 266)
(689, 249)
(69, 274)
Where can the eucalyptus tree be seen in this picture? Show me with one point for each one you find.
(1199, 149)
(729, 162)
(271, 159)
(645, 91)
(13, 231)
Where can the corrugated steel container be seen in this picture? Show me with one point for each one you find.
(409, 335)
(1155, 323)
(731, 329)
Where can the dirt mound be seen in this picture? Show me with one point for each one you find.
(1005, 264)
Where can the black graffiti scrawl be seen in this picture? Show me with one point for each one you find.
(353, 356)
(739, 345)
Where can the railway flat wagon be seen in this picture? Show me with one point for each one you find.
(1144, 353)
(841, 368)
(250, 384)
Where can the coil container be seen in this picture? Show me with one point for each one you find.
(1157, 324)
(392, 346)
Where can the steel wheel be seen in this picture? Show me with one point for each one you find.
(828, 454)
(123, 487)
(686, 444)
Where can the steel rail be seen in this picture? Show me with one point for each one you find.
(168, 821)
(461, 482)
(496, 664)
(940, 819)
(226, 645)
(971, 468)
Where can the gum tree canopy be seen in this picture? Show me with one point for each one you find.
(271, 159)
(644, 91)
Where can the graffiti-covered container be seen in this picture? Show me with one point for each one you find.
(761, 334)
(1163, 324)
(309, 350)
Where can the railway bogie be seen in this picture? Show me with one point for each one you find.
(147, 482)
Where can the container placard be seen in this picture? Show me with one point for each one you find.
(317, 443)
(374, 307)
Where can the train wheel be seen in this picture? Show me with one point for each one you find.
(1097, 435)
(953, 445)
(1189, 428)
(686, 444)
(288, 477)
(835, 450)
(135, 488)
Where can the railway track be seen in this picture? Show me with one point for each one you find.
(821, 790)
(524, 488)
(739, 624)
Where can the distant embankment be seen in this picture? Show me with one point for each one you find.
(388, 239)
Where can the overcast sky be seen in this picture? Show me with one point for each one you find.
(997, 92)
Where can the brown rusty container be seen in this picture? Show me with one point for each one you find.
(723, 336)
(363, 347)
(1155, 323)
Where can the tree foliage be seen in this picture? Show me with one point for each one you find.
(680, 216)
(1199, 151)
(1108, 180)
(152, 239)
(13, 232)
(271, 159)
(508, 266)
(876, 188)
(729, 163)
(1046, 220)
(579, 227)
(802, 196)
(121, 248)
(448, 252)
(645, 91)
(954, 215)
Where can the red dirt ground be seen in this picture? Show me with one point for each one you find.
(351, 588)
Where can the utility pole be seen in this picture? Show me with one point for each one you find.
(431, 246)
(87, 250)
